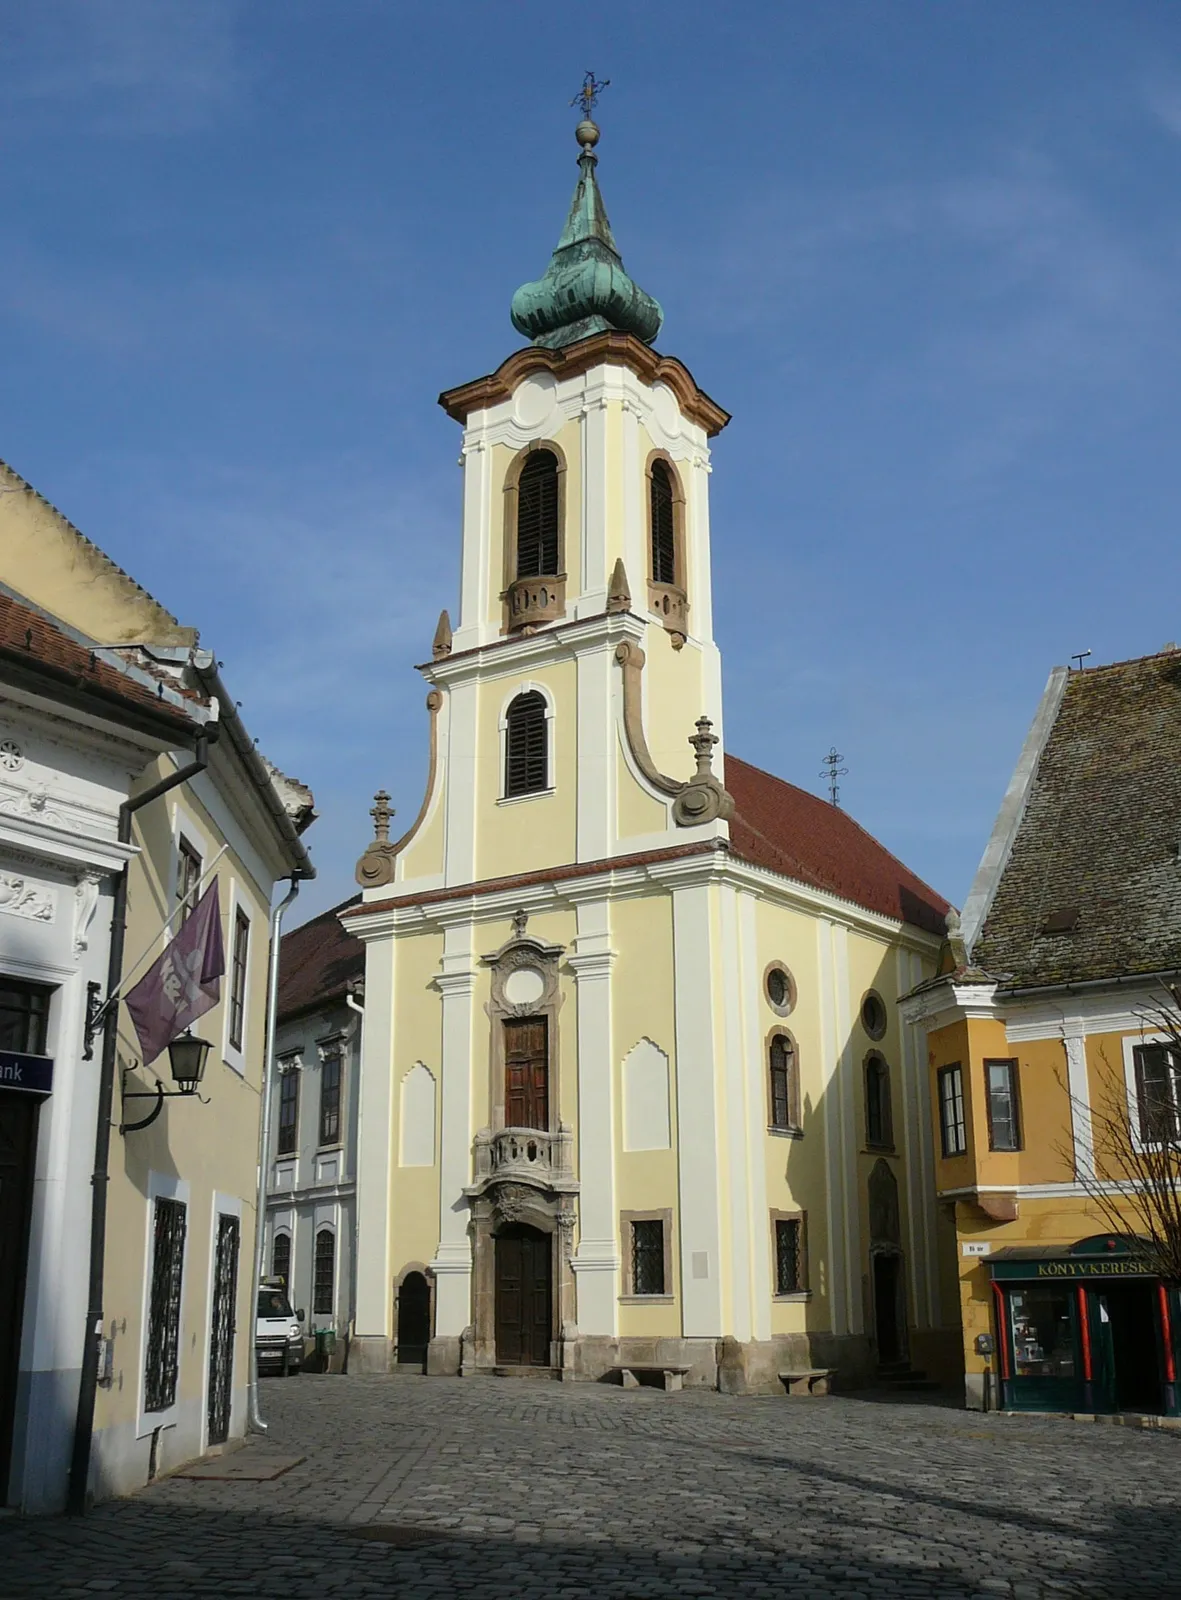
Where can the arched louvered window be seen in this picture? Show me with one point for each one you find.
(526, 756)
(537, 516)
(664, 540)
(324, 1274)
(785, 1099)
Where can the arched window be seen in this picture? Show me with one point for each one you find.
(537, 516)
(526, 756)
(785, 1098)
(324, 1274)
(664, 536)
(879, 1129)
(281, 1258)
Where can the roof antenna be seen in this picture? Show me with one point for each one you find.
(833, 762)
(1080, 656)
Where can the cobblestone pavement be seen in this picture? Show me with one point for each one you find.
(420, 1489)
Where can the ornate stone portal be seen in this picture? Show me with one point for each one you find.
(523, 1175)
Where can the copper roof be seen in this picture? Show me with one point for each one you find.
(792, 832)
(318, 962)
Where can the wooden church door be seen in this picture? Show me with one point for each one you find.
(526, 1073)
(523, 1297)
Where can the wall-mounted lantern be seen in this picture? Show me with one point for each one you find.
(186, 1057)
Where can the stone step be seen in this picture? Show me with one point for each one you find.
(526, 1372)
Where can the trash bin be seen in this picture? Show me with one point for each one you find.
(325, 1348)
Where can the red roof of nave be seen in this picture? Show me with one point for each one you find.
(789, 831)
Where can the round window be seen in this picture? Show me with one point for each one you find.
(873, 1014)
(781, 990)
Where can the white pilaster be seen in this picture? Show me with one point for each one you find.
(462, 736)
(701, 613)
(734, 1108)
(593, 596)
(635, 555)
(756, 1123)
(452, 1265)
(473, 627)
(697, 1114)
(374, 1143)
(595, 823)
(596, 1261)
(1074, 1040)
(835, 1185)
(848, 1087)
(919, 1236)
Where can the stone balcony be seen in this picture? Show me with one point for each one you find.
(524, 1155)
(671, 605)
(534, 602)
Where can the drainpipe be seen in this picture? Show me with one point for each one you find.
(355, 1037)
(88, 1382)
(264, 1146)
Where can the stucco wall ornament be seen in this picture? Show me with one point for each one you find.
(12, 757)
(22, 899)
(85, 905)
(702, 798)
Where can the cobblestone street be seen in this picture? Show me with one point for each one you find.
(420, 1489)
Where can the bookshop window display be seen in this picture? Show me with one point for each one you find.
(1085, 1327)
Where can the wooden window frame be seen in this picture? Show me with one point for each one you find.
(876, 1064)
(282, 1235)
(870, 998)
(626, 1219)
(510, 499)
(674, 616)
(531, 692)
(164, 1324)
(1148, 1136)
(239, 978)
(291, 1072)
(331, 1061)
(187, 893)
(324, 1230)
(789, 1005)
(1015, 1095)
(793, 1127)
(33, 1016)
(804, 1292)
(943, 1075)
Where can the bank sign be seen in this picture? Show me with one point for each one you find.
(33, 1074)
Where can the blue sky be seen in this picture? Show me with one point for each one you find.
(926, 251)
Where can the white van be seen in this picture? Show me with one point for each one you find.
(277, 1332)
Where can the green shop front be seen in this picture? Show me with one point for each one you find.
(1085, 1327)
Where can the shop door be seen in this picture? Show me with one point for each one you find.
(414, 1320)
(523, 1297)
(221, 1330)
(1123, 1325)
(18, 1144)
(526, 1073)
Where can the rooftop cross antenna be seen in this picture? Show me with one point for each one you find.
(833, 762)
(588, 96)
(1080, 656)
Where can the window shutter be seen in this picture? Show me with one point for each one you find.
(664, 544)
(526, 755)
(537, 516)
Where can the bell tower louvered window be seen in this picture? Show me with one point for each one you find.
(664, 543)
(526, 760)
(537, 516)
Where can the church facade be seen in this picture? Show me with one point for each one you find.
(634, 1090)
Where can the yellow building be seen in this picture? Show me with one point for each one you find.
(633, 1092)
(1048, 1072)
(128, 785)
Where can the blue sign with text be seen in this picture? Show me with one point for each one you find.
(33, 1074)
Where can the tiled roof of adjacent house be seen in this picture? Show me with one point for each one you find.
(318, 962)
(797, 834)
(1092, 885)
(30, 642)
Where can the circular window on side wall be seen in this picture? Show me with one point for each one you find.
(780, 988)
(874, 1015)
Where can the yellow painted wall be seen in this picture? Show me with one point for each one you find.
(418, 1036)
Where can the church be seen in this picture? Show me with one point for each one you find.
(634, 1094)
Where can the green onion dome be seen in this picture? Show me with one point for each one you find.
(584, 289)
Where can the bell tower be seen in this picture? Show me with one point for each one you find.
(576, 701)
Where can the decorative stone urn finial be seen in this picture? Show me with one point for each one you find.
(381, 812)
(703, 742)
(702, 799)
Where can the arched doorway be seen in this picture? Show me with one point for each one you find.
(524, 1296)
(414, 1320)
(886, 1266)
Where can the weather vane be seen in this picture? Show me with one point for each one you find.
(833, 762)
(588, 96)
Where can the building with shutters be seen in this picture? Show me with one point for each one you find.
(127, 779)
(1055, 1077)
(634, 1092)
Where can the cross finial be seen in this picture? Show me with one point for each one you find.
(588, 96)
(833, 762)
(703, 742)
(381, 813)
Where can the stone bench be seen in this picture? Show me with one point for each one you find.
(811, 1380)
(671, 1379)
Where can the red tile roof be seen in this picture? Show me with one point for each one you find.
(31, 642)
(317, 962)
(795, 833)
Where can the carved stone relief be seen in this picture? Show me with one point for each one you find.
(20, 898)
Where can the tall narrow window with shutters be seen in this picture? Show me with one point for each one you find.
(537, 516)
(664, 540)
(526, 1072)
(526, 746)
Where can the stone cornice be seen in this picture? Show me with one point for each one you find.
(602, 349)
(605, 629)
